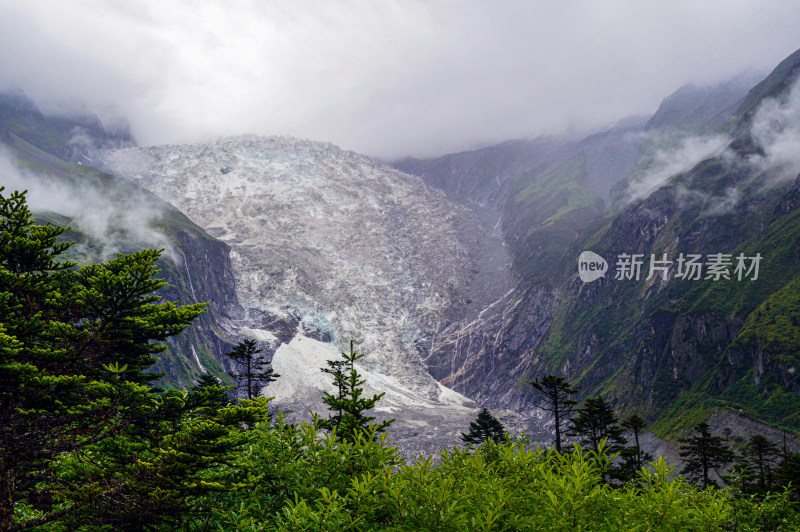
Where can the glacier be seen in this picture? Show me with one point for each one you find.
(341, 248)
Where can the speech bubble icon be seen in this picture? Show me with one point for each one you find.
(591, 266)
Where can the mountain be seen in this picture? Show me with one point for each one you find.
(457, 276)
(703, 109)
(711, 172)
(329, 246)
(110, 215)
(73, 136)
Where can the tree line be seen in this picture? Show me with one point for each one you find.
(754, 467)
(86, 437)
(88, 441)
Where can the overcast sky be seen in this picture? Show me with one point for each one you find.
(383, 78)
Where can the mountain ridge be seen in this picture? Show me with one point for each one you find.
(616, 340)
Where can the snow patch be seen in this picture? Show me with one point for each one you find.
(300, 364)
(261, 335)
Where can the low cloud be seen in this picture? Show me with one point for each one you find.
(383, 78)
(716, 205)
(114, 221)
(681, 156)
(776, 128)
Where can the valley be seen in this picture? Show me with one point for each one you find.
(456, 275)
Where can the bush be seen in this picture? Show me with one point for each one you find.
(296, 478)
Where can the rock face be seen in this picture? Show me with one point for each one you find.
(329, 246)
(664, 348)
(198, 269)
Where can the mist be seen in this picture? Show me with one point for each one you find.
(669, 161)
(113, 221)
(774, 127)
(387, 79)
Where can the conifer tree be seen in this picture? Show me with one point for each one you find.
(254, 373)
(209, 384)
(485, 427)
(596, 421)
(787, 474)
(633, 457)
(350, 418)
(756, 465)
(83, 441)
(558, 398)
(337, 369)
(704, 453)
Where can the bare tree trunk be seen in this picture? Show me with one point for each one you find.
(558, 425)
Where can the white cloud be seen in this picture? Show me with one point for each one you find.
(113, 221)
(669, 161)
(776, 128)
(384, 78)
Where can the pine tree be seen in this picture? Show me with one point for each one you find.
(83, 440)
(485, 427)
(210, 385)
(787, 474)
(756, 465)
(350, 419)
(633, 458)
(254, 373)
(558, 397)
(596, 421)
(635, 424)
(337, 369)
(704, 453)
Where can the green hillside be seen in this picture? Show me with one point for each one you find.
(31, 141)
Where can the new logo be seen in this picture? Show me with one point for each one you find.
(591, 266)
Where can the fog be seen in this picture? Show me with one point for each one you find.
(113, 221)
(384, 78)
(775, 128)
(672, 160)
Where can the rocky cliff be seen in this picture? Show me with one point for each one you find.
(673, 350)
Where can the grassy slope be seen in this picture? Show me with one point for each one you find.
(626, 321)
(551, 211)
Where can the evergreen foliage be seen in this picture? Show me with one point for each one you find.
(83, 441)
(595, 426)
(704, 453)
(558, 400)
(85, 444)
(756, 464)
(787, 474)
(209, 384)
(349, 408)
(254, 373)
(486, 427)
(633, 457)
(337, 369)
(595, 422)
